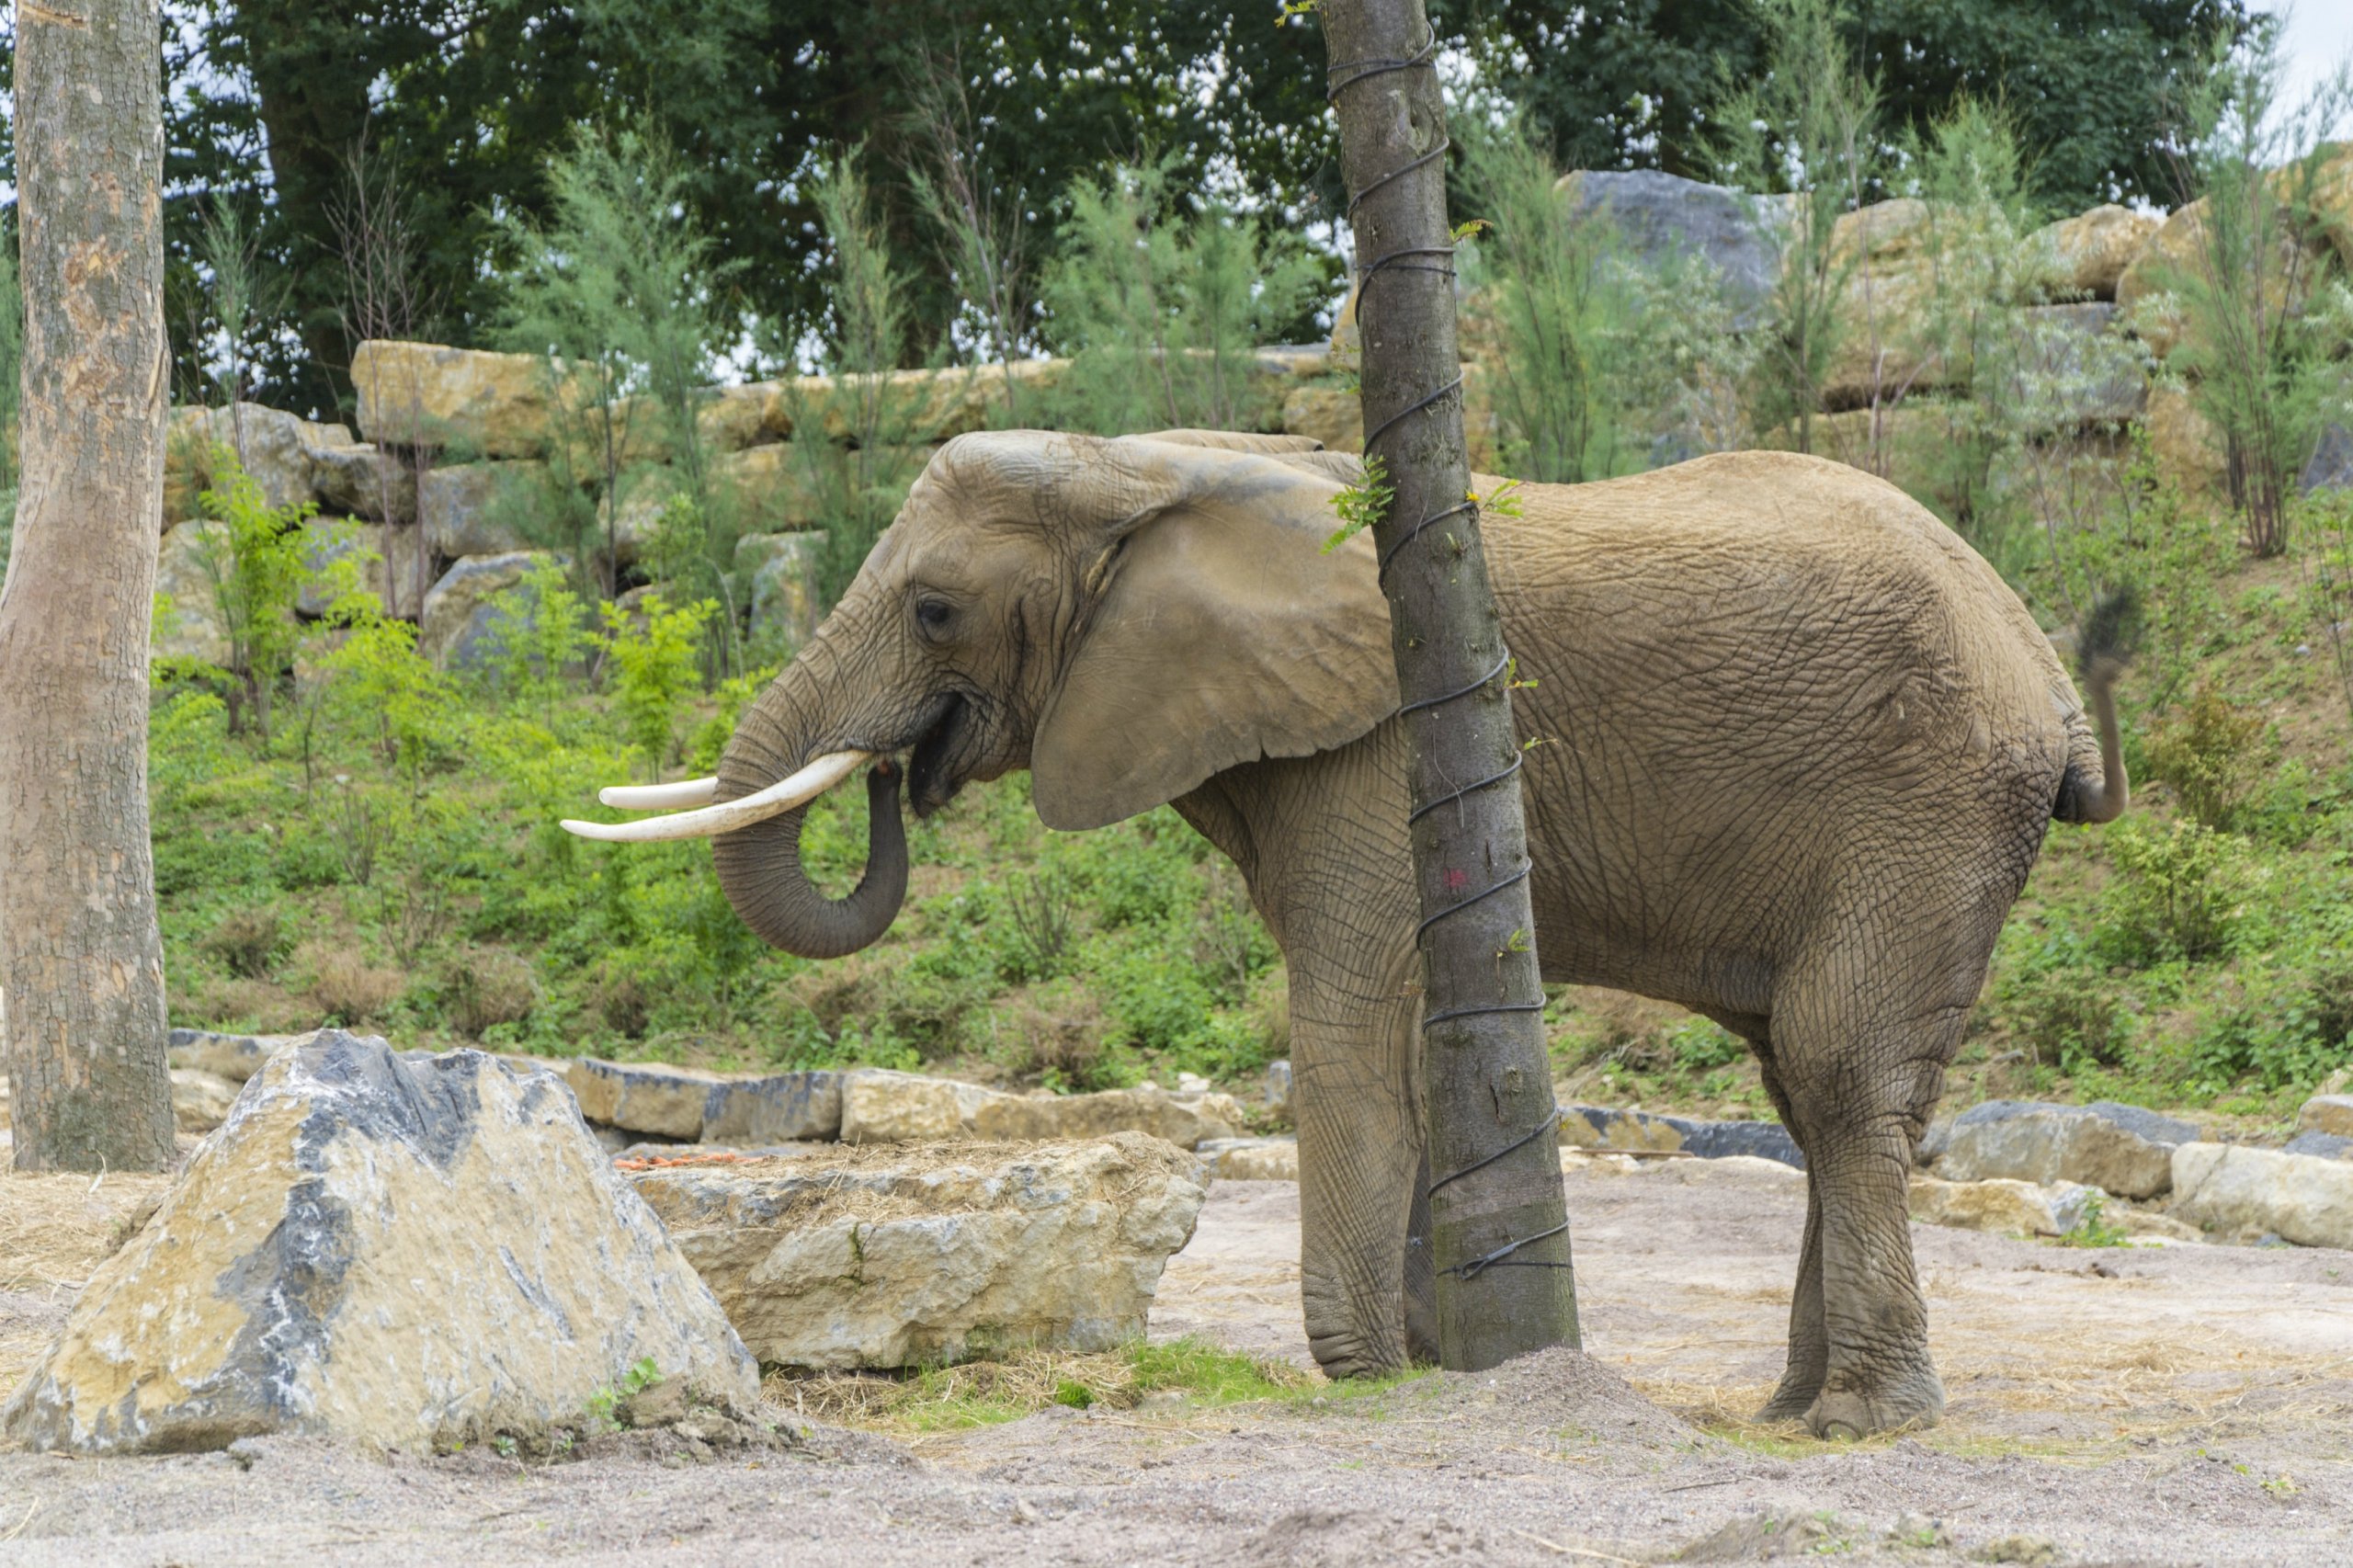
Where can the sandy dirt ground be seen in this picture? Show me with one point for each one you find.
(2185, 1404)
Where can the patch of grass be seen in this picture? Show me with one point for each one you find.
(1022, 1382)
(2093, 1230)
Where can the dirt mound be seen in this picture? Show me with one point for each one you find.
(1559, 1392)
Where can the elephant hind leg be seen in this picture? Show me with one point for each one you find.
(1809, 1355)
(1859, 1072)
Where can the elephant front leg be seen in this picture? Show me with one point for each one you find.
(1360, 1167)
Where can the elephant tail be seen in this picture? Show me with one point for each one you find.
(2104, 648)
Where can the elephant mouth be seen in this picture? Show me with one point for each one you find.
(940, 761)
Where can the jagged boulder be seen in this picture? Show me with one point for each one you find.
(882, 1107)
(2001, 1205)
(188, 570)
(688, 1103)
(782, 570)
(424, 394)
(471, 509)
(2121, 1149)
(463, 617)
(235, 1057)
(386, 564)
(902, 1256)
(2188, 448)
(1183, 1120)
(1250, 1159)
(2089, 252)
(2327, 1113)
(280, 453)
(395, 1251)
(362, 480)
(2234, 1189)
(1664, 218)
(1641, 1131)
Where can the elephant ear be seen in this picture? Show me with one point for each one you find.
(1222, 633)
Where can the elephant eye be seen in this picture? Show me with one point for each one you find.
(933, 613)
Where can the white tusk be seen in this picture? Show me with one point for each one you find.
(711, 820)
(659, 797)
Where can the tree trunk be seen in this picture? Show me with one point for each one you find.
(80, 962)
(1499, 1226)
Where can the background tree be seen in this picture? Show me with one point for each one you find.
(1498, 1221)
(81, 960)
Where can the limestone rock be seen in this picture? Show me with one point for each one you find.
(2331, 465)
(393, 1250)
(2327, 1113)
(2092, 250)
(279, 452)
(235, 1057)
(385, 557)
(2189, 447)
(1329, 414)
(882, 1107)
(200, 1101)
(2147, 292)
(364, 481)
(1182, 1120)
(2011, 1208)
(1596, 1126)
(783, 1108)
(187, 571)
(467, 509)
(902, 1256)
(2121, 1148)
(643, 1096)
(2320, 1146)
(1251, 1159)
(423, 394)
(2229, 1187)
(1663, 217)
(2083, 372)
(782, 569)
(461, 618)
(1279, 1085)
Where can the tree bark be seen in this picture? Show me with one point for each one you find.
(1499, 1226)
(81, 961)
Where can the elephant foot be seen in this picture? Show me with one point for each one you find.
(1846, 1413)
(1793, 1398)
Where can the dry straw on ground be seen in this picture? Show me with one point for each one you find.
(55, 1228)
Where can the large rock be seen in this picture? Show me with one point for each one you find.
(364, 481)
(471, 509)
(189, 569)
(782, 1108)
(462, 617)
(1183, 1121)
(200, 1101)
(2327, 1113)
(395, 1251)
(1251, 1159)
(2320, 1146)
(1663, 217)
(1331, 415)
(385, 558)
(1641, 1131)
(2231, 1188)
(882, 1107)
(2002, 1206)
(899, 1257)
(2150, 290)
(688, 1103)
(782, 570)
(2121, 1149)
(2090, 252)
(2187, 447)
(2331, 465)
(1279, 1088)
(235, 1057)
(422, 394)
(279, 452)
(2082, 370)
(1884, 254)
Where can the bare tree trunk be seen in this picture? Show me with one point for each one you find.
(80, 958)
(1499, 1231)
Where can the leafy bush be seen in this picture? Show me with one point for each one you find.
(247, 941)
(2292, 1025)
(2214, 755)
(255, 564)
(653, 658)
(2179, 893)
(484, 987)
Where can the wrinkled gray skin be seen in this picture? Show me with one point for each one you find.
(1804, 746)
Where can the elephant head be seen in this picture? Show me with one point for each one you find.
(1124, 618)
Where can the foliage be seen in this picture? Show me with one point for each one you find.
(2214, 756)
(652, 652)
(254, 559)
(2092, 1229)
(855, 482)
(2249, 350)
(2180, 891)
(2326, 563)
(1161, 301)
(1362, 504)
(1807, 128)
(540, 638)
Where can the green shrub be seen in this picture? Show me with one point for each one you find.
(653, 658)
(2214, 755)
(2291, 1027)
(255, 564)
(2069, 1017)
(2179, 891)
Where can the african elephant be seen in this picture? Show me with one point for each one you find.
(1805, 744)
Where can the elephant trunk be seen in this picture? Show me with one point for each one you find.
(759, 867)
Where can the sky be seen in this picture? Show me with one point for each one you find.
(2320, 34)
